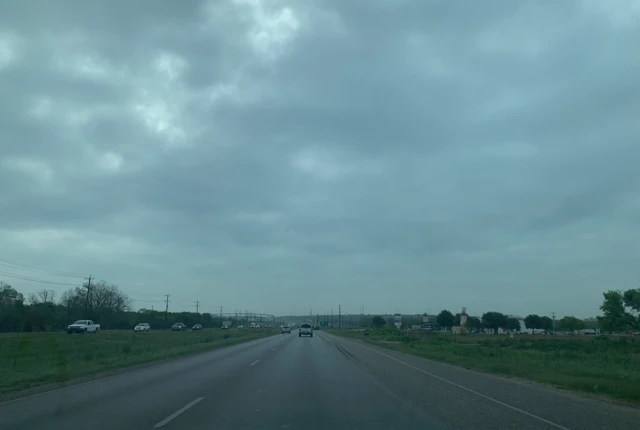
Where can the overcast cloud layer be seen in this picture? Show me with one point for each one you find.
(279, 156)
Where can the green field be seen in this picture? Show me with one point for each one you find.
(594, 364)
(31, 359)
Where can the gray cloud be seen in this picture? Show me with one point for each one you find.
(401, 155)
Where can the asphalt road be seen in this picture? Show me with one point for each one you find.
(324, 382)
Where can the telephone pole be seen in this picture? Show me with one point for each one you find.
(220, 316)
(197, 306)
(166, 311)
(553, 315)
(339, 317)
(86, 301)
(331, 318)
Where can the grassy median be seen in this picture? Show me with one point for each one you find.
(608, 365)
(31, 359)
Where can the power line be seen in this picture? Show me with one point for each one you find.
(41, 272)
(26, 278)
(147, 301)
(31, 268)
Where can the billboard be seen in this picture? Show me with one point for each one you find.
(397, 320)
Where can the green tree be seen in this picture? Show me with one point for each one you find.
(533, 322)
(474, 323)
(631, 299)
(546, 324)
(513, 324)
(456, 319)
(11, 308)
(378, 321)
(445, 319)
(494, 320)
(570, 323)
(615, 317)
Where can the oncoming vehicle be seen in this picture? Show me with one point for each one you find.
(286, 329)
(178, 327)
(197, 327)
(83, 327)
(305, 330)
(142, 327)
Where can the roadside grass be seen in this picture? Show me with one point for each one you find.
(604, 365)
(29, 360)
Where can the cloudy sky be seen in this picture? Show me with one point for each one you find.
(282, 156)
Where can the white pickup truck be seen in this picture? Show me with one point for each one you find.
(305, 330)
(83, 326)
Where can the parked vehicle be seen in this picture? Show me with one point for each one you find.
(305, 330)
(240, 326)
(178, 327)
(83, 327)
(253, 325)
(142, 327)
(286, 329)
(197, 327)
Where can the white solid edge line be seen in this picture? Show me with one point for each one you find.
(178, 412)
(514, 408)
(254, 363)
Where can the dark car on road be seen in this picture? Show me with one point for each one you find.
(197, 327)
(178, 327)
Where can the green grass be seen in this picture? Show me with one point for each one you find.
(32, 359)
(599, 365)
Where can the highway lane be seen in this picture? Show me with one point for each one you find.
(324, 382)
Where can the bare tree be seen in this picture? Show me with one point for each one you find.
(44, 296)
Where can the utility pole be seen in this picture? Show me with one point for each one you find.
(331, 318)
(553, 316)
(86, 301)
(166, 312)
(339, 317)
(220, 316)
(197, 306)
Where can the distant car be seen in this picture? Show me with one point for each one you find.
(240, 326)
(286, 329)
(178, 327)
(142, 327)
(253, 325)
(305, 330)
(83, 327)
(197, 327)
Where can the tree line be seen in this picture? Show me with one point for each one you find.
(620, 313)
(104, 303)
